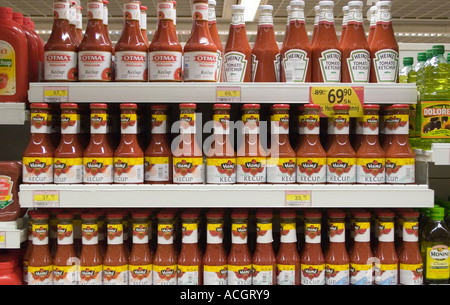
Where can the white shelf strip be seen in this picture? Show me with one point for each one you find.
(439, 154)
(207, 93)
(251, 196)
(12, 113)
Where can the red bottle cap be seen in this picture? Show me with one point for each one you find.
(215, 213)
(361, 213)
(400, 106)
(385, 213)
(99, 106)
(371, 107)
(222, 106)
(114, 214)
(69, 106)
(336, 214)
(105, 2)
(140, 214)
(6, 13)
(264, 213)
(311, 106)
(251, 106)
(188, 105)
(158, 107)
(411, 213)
(40, 215)
(166, 214)
(288, 213)
(89, 215)
(144, 8)
(341, 107)
(280, 106)
(64, 215)
(313, 214)
(128, 106)
(39, 106)
(190, 214)
(239, 213)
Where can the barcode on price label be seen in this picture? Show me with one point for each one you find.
(298, 198)
(228, 94)
(48, 199)
(56, 94)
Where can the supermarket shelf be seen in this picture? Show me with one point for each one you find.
(13, 113)
(439, 154)
(251, 196)
(12, 234)
(207, 92)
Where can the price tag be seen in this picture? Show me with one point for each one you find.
(2, 239)
(56, 94)
(298, 198)
(46, 199)
(228, 94)
(327, 97)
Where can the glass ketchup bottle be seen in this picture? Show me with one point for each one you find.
(212, 25)
(361, 261)
(311, 157)
(188, 156)
(40, 262)
(354, 47)
(341, 158)
(200, 52)
(115, 262)
(98, 157)
(106, 25)
(400, 157)
(239, 258)
(316, 25)
(38, 156)
(237, 62)
(131, 49)
(251, 156)
(288, 259)
(61, 57)
(410, 259)
(143, 25)
(337, 261)
(65, 260)
(386, 266)
(68, 156)
(158, 156)
(384, 48)
(312, 259)
(73, 21)
(215, 268)
(370, 157)
(221, 157)
(190, 269)
(300, 126)
(165, 51)
(264, 260)
(80, 23)
(296, 51)
(281, 162)
(91, 260)
(344, 23)
(140, 261)
(265, 52)
(95, 51)
(165, 261)
(372, 16)
(128, 157)
(326, 55)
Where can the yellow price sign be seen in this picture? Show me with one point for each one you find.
(228, 94)
(46, 198)
(2, 238)
(327, 97)
(56, 94)
(298, 198)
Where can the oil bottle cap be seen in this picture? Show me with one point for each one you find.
(407, 61)
(437, 213)
(438, 49)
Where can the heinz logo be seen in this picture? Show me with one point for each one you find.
(206, 58)
(165, 58)
(92, 58)
(133, 58)
(60, 58)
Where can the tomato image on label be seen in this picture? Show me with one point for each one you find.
(339, 167)
(254, 167)
(3, 80)
(184, 168)
(63, 232)
(373, 168)
(95, 167)
(107, 74)
(228, 168)
(88, 233)
(166, 233)
(37, 167)
(287, 167)
(309, 167)
(40, 233)
(240, 232)
(114, 232)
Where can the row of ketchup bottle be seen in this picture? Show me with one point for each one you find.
(225, 247)
(21, 55)
(352, 59)
(366, 158)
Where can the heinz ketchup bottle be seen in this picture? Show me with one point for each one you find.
(200, 52)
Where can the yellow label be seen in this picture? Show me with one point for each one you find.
(288, 226)
(37, 163)
(187, 117)
(127, 162)
(244, 160)
(7, 69)
(298, 197)
(228, 93)
(2, 239)
(239, 268)
(188, 268)
(281, 267)
(193, 161)
(156, 160)
(341, 162)
(41, 273)
(139, 268)
(327, 97)
(361, 267)
(437, 262)
(127, 117)
(159, 117)
(190, 226)
(401, 161)
(337, 267)
(259, 268)
(214, 226)
(90, 272)
(69, 117)
(386, 225)
(39, 119)
(387, 267)
(60, 271)
(215, 269)
(411, 225)
(219, 161)
(434, 120)
(362, 225)
(370, 161)
(116, 269)
(314, 267)
(221, 118)
(161, 268)
(140, 228)
(56, 93)
(309, 162)
(250, 118)
(99, 117)
(97, 162)
(284, 118)
(411, 267)
(45, 198)
(263, 226)
(280, 161)
(63, 163)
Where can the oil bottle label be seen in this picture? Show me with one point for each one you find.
(437, 262)
(435, 120)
